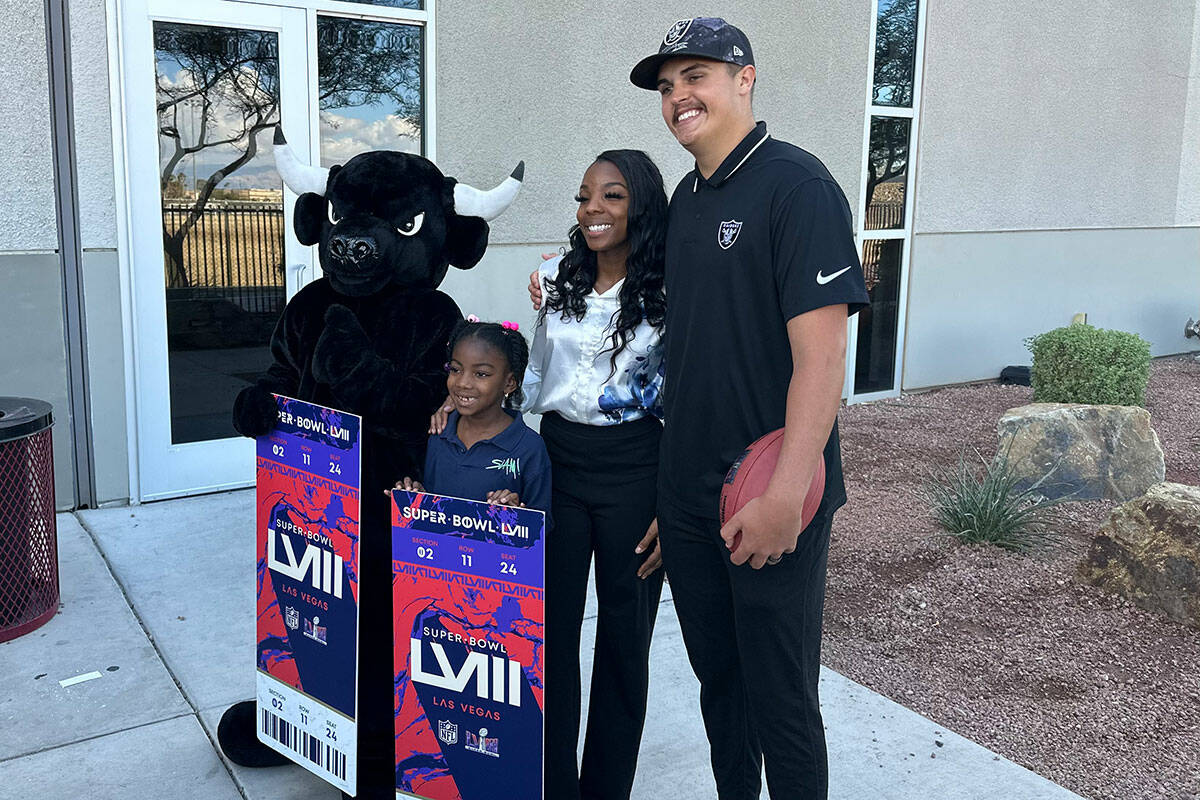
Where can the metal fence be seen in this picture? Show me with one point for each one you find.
(237, 250)
(234, 250)
(885, 216)
(881, 216)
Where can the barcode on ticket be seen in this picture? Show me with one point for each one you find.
(302, 744)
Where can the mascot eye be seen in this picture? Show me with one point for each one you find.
(411, 227)
(333, 220)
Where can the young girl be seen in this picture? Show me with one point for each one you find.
(486, 452)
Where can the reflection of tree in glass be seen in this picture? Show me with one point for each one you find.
(228, 83)
(895, 52)
(888, 156)
(224, 92)
(367, 63)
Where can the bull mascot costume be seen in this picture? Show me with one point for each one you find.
(369, 338)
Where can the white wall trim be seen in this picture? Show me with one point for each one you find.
(354, 10)
(429, 83)
(1187, 200)
(114, 12)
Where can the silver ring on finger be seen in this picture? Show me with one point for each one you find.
(773, 560)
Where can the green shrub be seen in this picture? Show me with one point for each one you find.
(980, 505)
(1083, 364)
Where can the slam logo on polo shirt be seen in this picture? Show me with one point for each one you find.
(728, 232)
(510, 466)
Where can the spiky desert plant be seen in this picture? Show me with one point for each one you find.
(980, 504)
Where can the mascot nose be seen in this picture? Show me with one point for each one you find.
(353, 249)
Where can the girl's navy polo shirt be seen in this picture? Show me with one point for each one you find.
(514, 459)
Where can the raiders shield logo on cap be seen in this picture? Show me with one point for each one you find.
(728, 233)
(677, 32)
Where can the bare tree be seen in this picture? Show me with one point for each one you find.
(227, 85)
(887, 156)
(895, 52)
(363, 63)
(228, 81)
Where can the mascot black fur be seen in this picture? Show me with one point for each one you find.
(369, 338)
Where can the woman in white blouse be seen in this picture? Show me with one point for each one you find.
(596, 375)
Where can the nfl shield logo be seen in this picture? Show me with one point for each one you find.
(447, 731)
(676, 32)
(292, 617)
(728, 233)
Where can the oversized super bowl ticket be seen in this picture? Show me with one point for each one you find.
(467, 583)
(308, 515)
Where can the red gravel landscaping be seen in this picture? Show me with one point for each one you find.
(1012, 651)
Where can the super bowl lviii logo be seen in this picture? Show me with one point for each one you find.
(306, 501)
(324, 567)
(469, 636)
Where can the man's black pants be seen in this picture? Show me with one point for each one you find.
(604, 497)
(754, 640)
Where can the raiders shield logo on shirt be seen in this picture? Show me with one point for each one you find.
(728, 233)
(676, 32)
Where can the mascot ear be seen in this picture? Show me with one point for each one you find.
(309, 217)
(466, 239)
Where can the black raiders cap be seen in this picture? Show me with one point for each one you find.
(707, 37)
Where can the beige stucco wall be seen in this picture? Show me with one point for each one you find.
(30, 270)
(27, 221)
(1052, 115)
(549, 83)
(93, 125)
(975, 297)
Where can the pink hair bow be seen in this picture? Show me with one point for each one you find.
(510, 326)
(472, 318)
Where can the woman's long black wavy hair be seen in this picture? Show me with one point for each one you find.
(642, 295)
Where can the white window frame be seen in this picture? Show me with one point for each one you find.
(862, 234)
(424, 18)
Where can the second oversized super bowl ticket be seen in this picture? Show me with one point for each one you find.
(307, 654)
(468, 581)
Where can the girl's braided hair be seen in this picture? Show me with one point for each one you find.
(508, 341)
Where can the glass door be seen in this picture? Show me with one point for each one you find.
(213, 259)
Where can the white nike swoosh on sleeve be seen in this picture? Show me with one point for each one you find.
(824, 279)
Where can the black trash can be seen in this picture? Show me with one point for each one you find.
(28, 536)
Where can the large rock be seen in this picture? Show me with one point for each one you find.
(1149, 552)
(1095, 452)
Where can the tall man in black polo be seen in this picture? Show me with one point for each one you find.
(761, 273)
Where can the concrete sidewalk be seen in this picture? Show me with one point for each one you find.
(158, 600)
